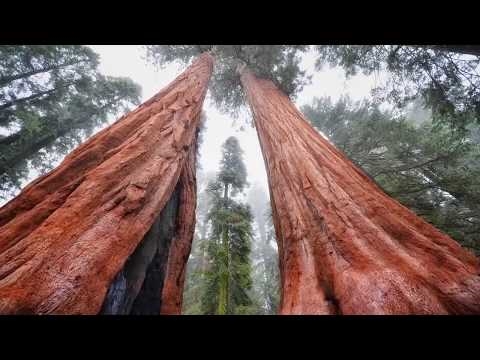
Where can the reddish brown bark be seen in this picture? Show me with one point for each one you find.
(345, 246)
(67, 234)
(172, 294)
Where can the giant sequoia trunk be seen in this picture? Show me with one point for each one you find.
(71, 235)
(345, 246)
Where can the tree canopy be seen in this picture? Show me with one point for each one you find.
(232, 169)
(447, 78)
(279, 63)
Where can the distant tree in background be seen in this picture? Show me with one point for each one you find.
(265, 289)
(51, 98)
(428, 168)
(226, 281)
(266, 277)
(197, 262)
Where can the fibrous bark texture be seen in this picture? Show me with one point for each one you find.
(345, 246)
(172, 294)
(67, 236)
(138, 287)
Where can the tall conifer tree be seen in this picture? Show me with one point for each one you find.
(228, 277)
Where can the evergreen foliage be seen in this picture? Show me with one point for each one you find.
(219, 274)
(51, 98)
(448, 81)
(279, 63)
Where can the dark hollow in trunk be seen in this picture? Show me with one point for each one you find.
(138, 286)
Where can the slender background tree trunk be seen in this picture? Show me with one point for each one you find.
(345, 246)
(69, 233)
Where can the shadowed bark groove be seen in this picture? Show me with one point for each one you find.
(128, 286)
(66, 236)
(160, 258)
(345, 246)
(172, 295)
(149, 299)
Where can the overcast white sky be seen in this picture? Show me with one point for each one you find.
(127, 60)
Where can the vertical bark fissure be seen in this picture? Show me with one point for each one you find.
(149, 299)
(172, 291)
